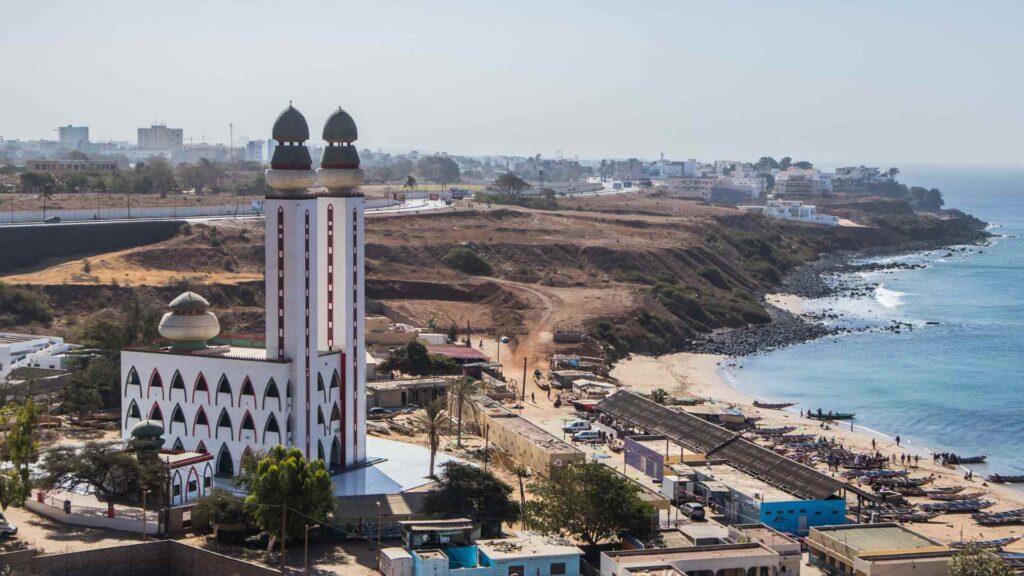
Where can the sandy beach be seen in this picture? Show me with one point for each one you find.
(699, 375)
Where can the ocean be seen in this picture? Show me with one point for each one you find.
(953, 383)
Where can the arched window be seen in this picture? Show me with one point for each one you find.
(155, 381)
(177, 383)
(271, 428)
(335, 414)
(132, 380)
(247, 389)
(225, 465)
(247, 422)
(178, 446)
(272, 393)
(320, 417)
(288, 391)
(224, 421)
(320, 385)
(335, 381)
(178, 417)
(133, 411)
(224, 387)
(288, 425)
(336, 454)
(320, 450)
(201, 447)
(155, 413)
(201, 420)
(201, 386)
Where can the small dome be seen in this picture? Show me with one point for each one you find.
(343, 157)
(340, 127)
(147, 429)
(189, 301)
(290, 126)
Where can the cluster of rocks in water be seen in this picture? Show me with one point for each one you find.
(830, 276)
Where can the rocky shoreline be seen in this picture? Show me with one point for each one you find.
(828, 276)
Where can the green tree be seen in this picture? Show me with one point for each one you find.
(453, 332)
(82, 395)
(461, 395)
(510, 186)
(659, 396)
(975, 561)
(220, 507)
(283, 478)
(21, 445)
(438, 169)
(37, 182)
(589, 502)
(466, 260)
(431, 419)
(410, 182)
(105, 467)
(12, 491)
(472, 492)
(785, 163)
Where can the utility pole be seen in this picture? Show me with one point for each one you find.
(523, 397)
(144, 492)
(305, 561)
(231, 143)
(378, 535)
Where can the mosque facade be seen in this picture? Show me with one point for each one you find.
(306, 386)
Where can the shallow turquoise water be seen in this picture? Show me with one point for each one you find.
(957, 386)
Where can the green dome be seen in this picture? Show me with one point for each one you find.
(189, 301)
(344, 157)
(147, 429)
(340, 127)
(291, 126)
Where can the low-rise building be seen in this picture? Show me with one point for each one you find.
(29, 350)
(382, 333)
(749, 499)
(875, 549)
(402, 393)
(792, 210)
(748, 559)
(523, 441)
(65, 166)
(691, 186)
(459, 354)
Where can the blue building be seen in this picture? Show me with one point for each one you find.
(744, 499)
(448, 548)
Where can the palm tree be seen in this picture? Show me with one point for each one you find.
(432, 419)
(460, 397)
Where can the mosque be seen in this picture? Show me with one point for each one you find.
(305, 387)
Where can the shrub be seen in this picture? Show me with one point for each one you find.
(20, 305)
(713, 275)
(468, 261)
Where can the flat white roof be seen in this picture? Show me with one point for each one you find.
(402, 468)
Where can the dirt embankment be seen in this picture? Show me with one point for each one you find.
(641, 274)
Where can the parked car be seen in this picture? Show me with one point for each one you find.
(693, 510)
(6, 528)
(586, 436)
(576, 426)
(377, 413)
(53, 220)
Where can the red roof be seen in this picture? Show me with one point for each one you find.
(457, 352)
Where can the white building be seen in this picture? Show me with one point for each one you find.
(792, 210)
(691, 187)
(25, 350)
(306, 386)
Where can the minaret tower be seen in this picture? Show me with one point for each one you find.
(314, 287)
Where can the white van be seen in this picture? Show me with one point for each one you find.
(586, 436)
(576, 426)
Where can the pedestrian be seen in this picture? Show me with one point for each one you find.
(872, 443)
(549, 393)
(897, 439)
(533, 397)
(917, 460)
(851, 426)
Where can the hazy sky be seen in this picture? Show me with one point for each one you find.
(880, 82)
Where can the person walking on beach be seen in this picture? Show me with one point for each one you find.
(872, 443)
(917, 460)
(533, 397)
(897, 439)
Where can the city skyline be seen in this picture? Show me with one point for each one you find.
(877, 84)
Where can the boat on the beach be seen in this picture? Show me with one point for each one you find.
(1004, 479)
(1004, 518)
(898, 481)
(954, 497)
(874, 473)
(944, 490)
(954, 459)
(774, 431)
(957, 507)
(773, 406)
(830, 415)
(988, 544)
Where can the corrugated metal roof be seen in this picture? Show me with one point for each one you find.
(702, 436)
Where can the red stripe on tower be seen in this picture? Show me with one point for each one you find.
(355, 334)
(307, 359)
(280, 283)
(330, 276)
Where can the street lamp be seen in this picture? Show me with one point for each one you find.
(305, 561)
(378, 535)
(144, 492)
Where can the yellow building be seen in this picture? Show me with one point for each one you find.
(523, 441)
(876, 549)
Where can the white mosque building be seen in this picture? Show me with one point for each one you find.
(306, 387)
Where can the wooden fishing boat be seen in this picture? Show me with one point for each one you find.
(774, 431)
(774, 406)
(1005, 518)
(1004, 479)
(957, 507)
(955, 497)
(912, 516)
(910, 490)
(856, 473)
(898, 481)
(944, 490)
(795, 438)
(988, 544)
(954, 459)
(831, 415)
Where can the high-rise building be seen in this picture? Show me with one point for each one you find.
(73, 136)
(254, 150)
(160, 137)
(305, 386)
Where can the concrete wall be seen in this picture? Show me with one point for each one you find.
(123, 213)
(27, 245)
(645, 459)
(157, 558)
(94, 521)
